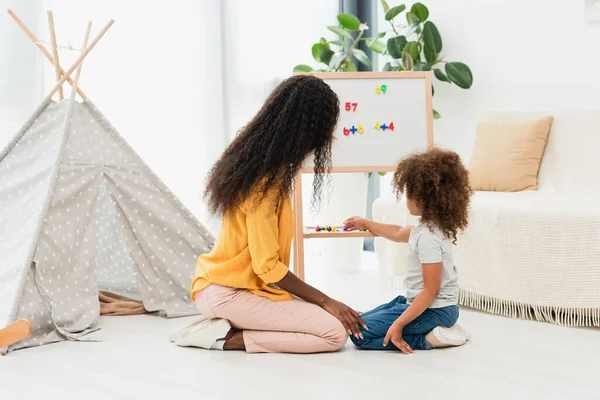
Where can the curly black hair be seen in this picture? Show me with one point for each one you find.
(438, 182)
(298, 119)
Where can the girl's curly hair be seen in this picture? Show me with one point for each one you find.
(298, 119)
(438, 182)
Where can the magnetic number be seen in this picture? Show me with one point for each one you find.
(351, 106)
(391, 126)
(377, 125)
(380, 89)
(346, 131)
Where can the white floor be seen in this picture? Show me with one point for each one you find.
(505, 359)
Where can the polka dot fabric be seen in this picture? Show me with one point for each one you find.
(112, 225)
(25, 180)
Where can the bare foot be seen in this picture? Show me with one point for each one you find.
(236, 342)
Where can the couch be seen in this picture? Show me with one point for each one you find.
(531, 254)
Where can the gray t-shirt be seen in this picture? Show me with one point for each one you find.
(429, 246)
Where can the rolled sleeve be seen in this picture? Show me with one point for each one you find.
(275, 274)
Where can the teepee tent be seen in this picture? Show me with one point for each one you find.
(80, 212)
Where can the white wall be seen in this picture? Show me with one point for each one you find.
(177, 78)
(265, 40)
(523, 54)
(20, 68)
(156, 76)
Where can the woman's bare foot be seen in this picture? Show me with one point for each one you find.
(236, 342)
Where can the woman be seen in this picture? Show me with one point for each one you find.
(244, 286)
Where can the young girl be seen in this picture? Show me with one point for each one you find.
(244, 286)
(437, 188)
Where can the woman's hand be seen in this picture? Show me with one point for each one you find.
(356, 224)
(395, 335)
(348, 317)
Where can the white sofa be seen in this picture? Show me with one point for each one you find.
(533, 254)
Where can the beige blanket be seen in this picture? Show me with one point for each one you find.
(114, 304)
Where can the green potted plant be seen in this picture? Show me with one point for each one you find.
(413, 45)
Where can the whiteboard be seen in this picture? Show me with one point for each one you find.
(393, 111)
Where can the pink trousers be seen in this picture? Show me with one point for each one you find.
(293, 326)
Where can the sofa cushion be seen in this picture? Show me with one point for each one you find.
(507, 156)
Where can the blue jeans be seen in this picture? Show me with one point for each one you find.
(381, 318)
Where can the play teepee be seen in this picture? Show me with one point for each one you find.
(80, 212)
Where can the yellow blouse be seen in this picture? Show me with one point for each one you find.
(252, 252)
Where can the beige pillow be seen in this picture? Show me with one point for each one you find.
(507, 156)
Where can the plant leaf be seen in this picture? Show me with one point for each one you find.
(340, 43)
(388, 67)
(430, 56)
(376, 45)
(349, 21)
(321, 53)
(386, 8)
(396, 45)
(340, 31)
(412, 18)
(392, 12)
(440, 75)
(420, 66)
(420, 11)
(349, 66)
(326, 55)
(316, 51)
(432, 90)
(436, 115)
(412, 48)
(381, 34)
(407, 61)
(432, 38)
(459, 74)
(302, 68)
(382, 173)
(362, 58)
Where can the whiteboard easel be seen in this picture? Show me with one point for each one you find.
(406, 102)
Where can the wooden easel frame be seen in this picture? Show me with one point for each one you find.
(300, 232)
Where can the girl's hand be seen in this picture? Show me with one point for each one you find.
(348, 317)
(395, 335)
(356, 224)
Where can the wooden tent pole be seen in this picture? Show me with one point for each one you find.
(84, 53)
(35, 41)
(55, 52)
(85, 43)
